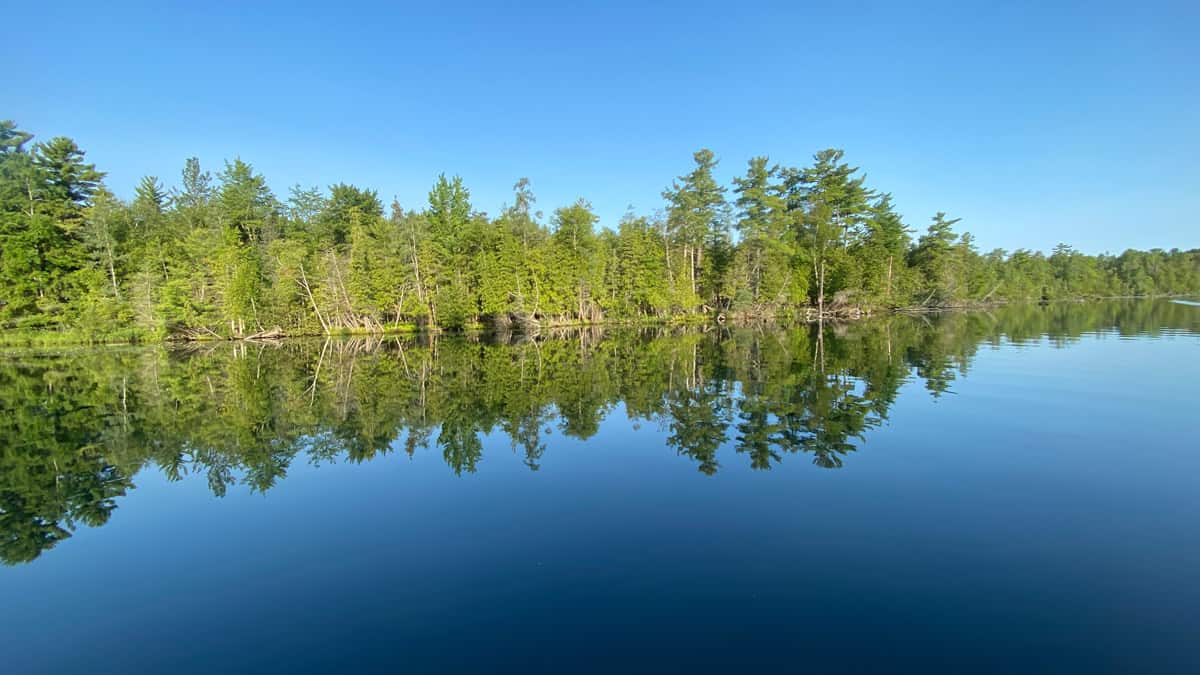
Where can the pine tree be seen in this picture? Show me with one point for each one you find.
(829, 207)
(696, 220)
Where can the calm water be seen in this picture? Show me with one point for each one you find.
(1013, 491)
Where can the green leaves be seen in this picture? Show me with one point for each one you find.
(225, 258)
(449, 214)
(12, 139)
(245, 204)
(697, 222)
(66, 181)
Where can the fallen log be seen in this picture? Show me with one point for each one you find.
(275, 333)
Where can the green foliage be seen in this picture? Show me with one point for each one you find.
(762, 277)
(245, 204)
(346, 206)
(940, 259)
(885, 278)
(225, 258)
(829, 208)
(66, 181)
(697, 223)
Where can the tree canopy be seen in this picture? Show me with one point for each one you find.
(221, 256)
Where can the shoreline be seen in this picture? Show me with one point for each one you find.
(798, 316)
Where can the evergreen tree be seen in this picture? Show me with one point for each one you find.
(829, 207)
(764, 266)
(225, 259)
(938, 260)
(697, 223)
(882, 251)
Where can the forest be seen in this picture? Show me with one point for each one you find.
(83, 423)
(222, 256)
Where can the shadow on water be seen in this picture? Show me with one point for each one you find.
(79, 425)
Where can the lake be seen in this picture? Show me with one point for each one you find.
(1013, 490)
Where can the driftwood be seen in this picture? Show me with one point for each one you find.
(275, 333)
(203, 333)
(195, 334)
(841, 298)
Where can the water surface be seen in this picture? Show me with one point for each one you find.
(1004, 491)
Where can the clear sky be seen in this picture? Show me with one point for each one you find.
(1034, 122)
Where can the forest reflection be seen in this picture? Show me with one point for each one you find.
(78, 425)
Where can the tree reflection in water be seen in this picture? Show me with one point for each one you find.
(80, 424)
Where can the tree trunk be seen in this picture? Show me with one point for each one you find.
(112, 272)
(308, 290)
(691, 253)
(821, 287)
(667, 255)
(889, 279)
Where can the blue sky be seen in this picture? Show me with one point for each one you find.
(1033, 122)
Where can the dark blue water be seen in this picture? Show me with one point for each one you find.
(1004, 492)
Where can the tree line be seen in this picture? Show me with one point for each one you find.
(223, 256)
